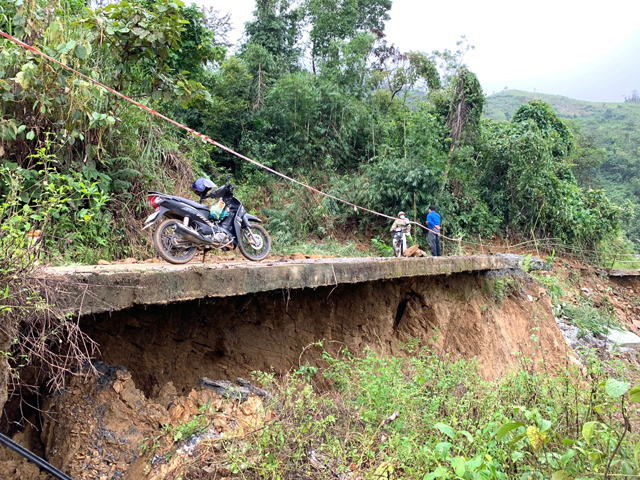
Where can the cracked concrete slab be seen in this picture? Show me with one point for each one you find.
(96, 289)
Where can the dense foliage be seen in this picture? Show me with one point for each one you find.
(39, 342)
(427, 417)
(314, 90)
(606, 144)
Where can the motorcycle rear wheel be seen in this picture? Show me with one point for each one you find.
(254, 242)
(171, 246)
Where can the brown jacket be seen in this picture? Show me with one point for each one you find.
(402, 223)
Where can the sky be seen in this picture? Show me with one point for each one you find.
(579, 49)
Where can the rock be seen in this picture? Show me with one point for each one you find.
(103, 262)
(223, 471)
(131, 395)
(176, 412)
(167, 395)
(297, 256)
(110, 421)
(517, 262)
(129, 260)
(220, 423)
(122, 375)
(411, 251)
(117, 387)
(623, 339)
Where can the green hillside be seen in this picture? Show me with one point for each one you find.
(612, 127)
(501, 106)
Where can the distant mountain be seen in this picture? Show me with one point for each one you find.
(613, 127)
(501, 106)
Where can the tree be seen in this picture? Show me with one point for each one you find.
(276, 27)
(526, 185)
(633, 98)
(400, 71)
(585, 157)
(464, 112)
(550, 126)
(333, 20)
(201, 44)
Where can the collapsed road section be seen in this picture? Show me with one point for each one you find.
(97, 289)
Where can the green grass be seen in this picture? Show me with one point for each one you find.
(555, 287)
(589, 318)
(425, 417)
(624, 264)
(584, 315)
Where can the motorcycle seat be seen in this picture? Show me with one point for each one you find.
(196, 205)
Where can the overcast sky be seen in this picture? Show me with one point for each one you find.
(580, 49)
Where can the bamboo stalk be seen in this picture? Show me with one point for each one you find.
(535, 243)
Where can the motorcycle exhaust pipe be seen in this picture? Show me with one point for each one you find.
(192, 235)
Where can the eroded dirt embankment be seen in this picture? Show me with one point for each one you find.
(472, 315)
(96, 428)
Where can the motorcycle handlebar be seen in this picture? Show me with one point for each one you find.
(220, 192)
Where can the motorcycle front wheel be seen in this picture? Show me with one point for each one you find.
(254, 242)
(170, 245)
(397, 248)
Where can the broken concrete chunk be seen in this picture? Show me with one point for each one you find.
(623, 339)
(226, 389)
(253, 389)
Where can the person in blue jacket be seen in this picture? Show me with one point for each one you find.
(433, 224)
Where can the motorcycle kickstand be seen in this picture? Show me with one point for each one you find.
(204, 254)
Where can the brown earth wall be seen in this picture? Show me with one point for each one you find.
(95, 428)
(468, 315)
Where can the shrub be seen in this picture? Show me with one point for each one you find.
(427, 417)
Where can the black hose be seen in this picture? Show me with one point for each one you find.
(32, 457)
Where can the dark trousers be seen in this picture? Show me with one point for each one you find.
(434, 242)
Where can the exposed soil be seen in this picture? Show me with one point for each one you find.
(105, 428)
(229, 337)
(14, 466)
(618, 295)
(98, 427)
(153, 358)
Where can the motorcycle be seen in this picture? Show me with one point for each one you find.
(399, 241)
(187, 227)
